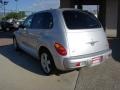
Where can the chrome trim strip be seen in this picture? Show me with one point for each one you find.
(89, 55)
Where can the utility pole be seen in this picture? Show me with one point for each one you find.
(4, 5)
(16, 5)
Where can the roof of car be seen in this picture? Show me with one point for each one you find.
(62, 9)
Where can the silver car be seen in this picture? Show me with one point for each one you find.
(63, 39)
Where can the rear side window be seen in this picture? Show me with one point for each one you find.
(42, 21)
(80, 20)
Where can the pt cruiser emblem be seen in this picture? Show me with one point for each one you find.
(92, 43)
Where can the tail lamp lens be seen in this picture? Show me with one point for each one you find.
(60, 49)
(77, 64)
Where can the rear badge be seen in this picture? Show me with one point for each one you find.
(92, 43)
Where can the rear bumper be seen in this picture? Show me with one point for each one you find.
(86, 60)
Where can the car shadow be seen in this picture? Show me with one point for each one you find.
(6, 34)
(21, 59)
(115, 46)
(24, 60)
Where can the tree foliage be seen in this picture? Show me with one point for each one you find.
(15, 15)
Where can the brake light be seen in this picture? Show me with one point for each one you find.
(77, 64)
(60, 49)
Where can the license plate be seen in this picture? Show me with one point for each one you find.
(96, 60)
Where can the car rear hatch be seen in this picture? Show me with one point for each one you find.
(84, 33)
(83, 42)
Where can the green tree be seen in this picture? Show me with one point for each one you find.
(15, 15)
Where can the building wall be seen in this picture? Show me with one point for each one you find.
(108, 14)
(65, 3)
(111, 17)
(118, 29)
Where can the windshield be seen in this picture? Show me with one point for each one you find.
(80, 20)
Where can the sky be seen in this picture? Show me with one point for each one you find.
(37, 5)
(32, 5)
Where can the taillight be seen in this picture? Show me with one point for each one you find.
(60, 49)
(77, 64)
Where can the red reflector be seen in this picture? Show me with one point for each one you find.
(77, 64)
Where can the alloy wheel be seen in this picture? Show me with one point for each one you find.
(46, 63)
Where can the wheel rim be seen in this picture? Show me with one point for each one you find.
(45, 62)
(15, 43)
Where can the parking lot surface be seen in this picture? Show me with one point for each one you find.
(105, 76)
(19, 71)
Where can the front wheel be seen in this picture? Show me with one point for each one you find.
(47, 63)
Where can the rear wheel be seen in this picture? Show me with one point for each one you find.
(47, 63)
(15, 43)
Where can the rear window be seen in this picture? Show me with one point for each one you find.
(80, 20)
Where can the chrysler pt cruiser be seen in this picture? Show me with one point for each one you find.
(63, 39)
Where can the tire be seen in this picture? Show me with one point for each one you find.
(47, 63)
(16, 46)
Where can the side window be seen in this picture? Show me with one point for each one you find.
(27, 22)
(42, 21)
